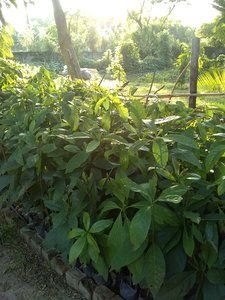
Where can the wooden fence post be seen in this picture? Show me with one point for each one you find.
(194, 71)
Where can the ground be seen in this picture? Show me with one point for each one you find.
(23, 275)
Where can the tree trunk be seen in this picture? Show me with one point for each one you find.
(65, 41)
(2, 19)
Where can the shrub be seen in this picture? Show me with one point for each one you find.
(123, 188)
(129, 56)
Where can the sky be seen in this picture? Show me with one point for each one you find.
(193, 14)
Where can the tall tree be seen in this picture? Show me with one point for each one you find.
(6, 3)
(65, 41)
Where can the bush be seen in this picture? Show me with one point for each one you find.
(151, 64)
(120, 187)
(129, 56)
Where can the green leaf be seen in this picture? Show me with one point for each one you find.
(106, 121)
(173, 194)
(177, 287)
(109, 205)
(160, 152)
(188, 242)
(76, 120)
(120, 250)
(187, 156)
(221, 187)
(74, 233)
(101, 267)
(197, 233)
(100, 226)
(77, 249)
(212, 291)
(137, 270)
(166, 174)
(164, 215)
(154, 268)
(139, 226)
(215, 153)
(4, 181)
(209, 253)
(216, 276)
(93, 248)
(76, 161)
(48, 148)
(72, 148)
(194, 217)
(18, 156)
(184, 140)
(86, 221)
(93, 145)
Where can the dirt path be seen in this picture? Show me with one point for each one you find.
(23, 276)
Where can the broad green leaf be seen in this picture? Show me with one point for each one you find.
(188, 242)
(106, 121)
(100, 226)
(76, 120)
(165, 173)
(215, 153)
(139, 226)
(137, 270)
(93, 248)
(72, 148)
(120, 249)
(173, 194)
(184, 140)
(197, 233)
(99, 103)
(59, 218)
(160, 152)
(109, 205)
(164, 215)
(194, 217)
(216, 276)
(209, 252)
(32, 126)
(93, 145)
(76, 161)
(86, 221)
(213, 291)
(166, 119)
(186, 156)
(221, 187)
(18, 156)
(177, 287)
(137, 112)
(48, 148)
(176, 261)
(154, 268)
(101, 267)
(77, 249)
(124, 160)
(4, 181)
(74, 233)
(214, 217)
(122, 110)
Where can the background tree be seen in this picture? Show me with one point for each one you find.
(65, 41)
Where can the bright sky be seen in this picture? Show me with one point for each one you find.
(193, 14)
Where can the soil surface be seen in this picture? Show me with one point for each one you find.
(23, 275)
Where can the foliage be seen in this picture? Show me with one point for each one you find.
(116, 67)
(119, 186)
(6, 42)
(129, 56)
(212, 80)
